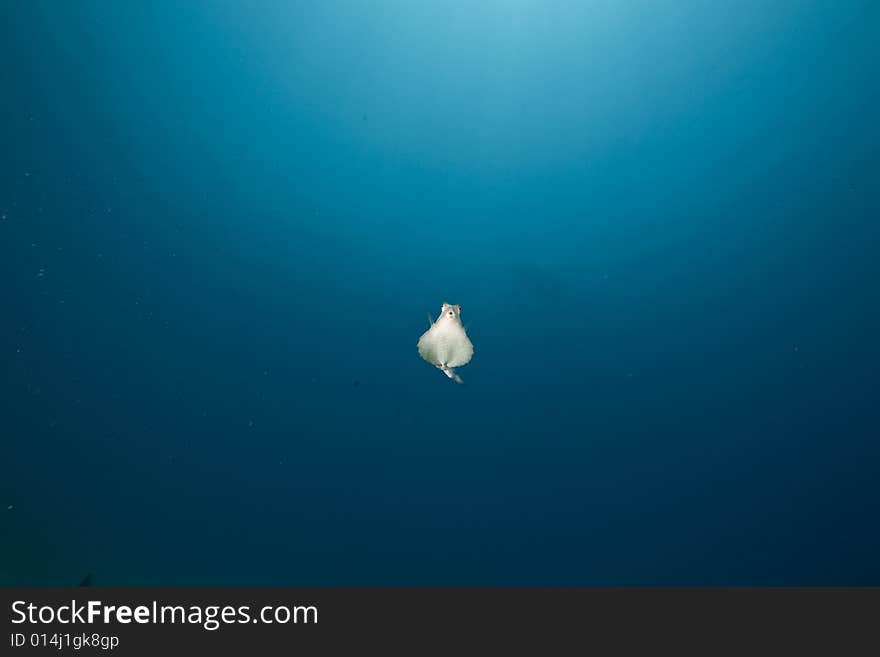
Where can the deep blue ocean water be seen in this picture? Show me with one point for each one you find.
(224, 224)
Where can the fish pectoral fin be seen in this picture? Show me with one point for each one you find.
(430, 321)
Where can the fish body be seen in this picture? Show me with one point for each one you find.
(446, 344)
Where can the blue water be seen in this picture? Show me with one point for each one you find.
(224, 224)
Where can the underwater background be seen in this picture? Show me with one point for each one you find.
(225, 223)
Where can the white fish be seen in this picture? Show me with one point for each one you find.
(446, 345)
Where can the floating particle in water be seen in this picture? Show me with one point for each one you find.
(10, 507)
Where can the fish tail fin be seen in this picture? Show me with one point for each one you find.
(448, 371)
